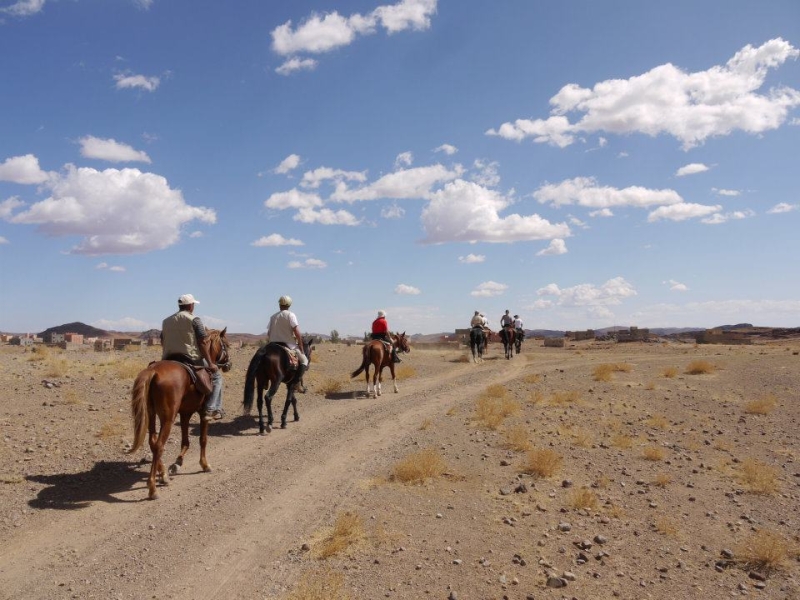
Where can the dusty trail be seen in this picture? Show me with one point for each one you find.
(231, 533)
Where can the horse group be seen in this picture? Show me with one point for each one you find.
(479, 339)
(165, 389)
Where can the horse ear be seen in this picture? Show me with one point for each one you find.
(223, 332)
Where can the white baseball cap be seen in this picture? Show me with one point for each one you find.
(187, 299)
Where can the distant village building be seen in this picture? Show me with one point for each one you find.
(73, 338)
(126, 344)
(65, 345)
(54, 338)
(720, 336)
(634, 334)
(102, 345)
(154, 340)
(578, 336)
(23, 340)
(555, 342)
(5, 337)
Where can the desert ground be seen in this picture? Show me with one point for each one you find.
(658, 470)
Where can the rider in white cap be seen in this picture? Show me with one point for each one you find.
(284, 329)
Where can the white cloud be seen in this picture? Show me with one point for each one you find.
(691, 169)
(407, 290)
(466, 212)
(117, 211)
(24, 8)
(409, 183)
(404, 159)
(489, 289)
(295, 64)
(691, 107)
(292, 199)
(3, 240)
(584, 191)
(276, 239)
(447, 149)
(309, 263)
(196, 234)
(612, 292)
(22, 169)
(111, 150)
(726, 192)
(326, 216)
(676, 286)
(486, 173)
(782, 207)
(682, 211)
(556, 247)
(313, 179)
(393, 212)
(573, 220)
(117, 269)
(323, 33)
(124, 324)
(471, 259)
(603, 212)
(719, 218)
(7, 207)
(290, 163)
(124, 81)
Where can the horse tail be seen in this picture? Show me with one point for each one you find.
(364, 362)
(140, 399)
(250, 378)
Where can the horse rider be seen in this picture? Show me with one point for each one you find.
(283, 329)
(520, 327)
(380, 331)
(182, 336)
(506, 320)
(478, 320)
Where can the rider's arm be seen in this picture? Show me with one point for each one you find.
(299, 337)
(201, 335)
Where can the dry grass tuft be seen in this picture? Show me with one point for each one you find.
(582, 437)
(532, 378)
(115, 428)
(536, 397)
(517, 439)
(128, 369)
(700, 367)
(623, 367)
(451, 411)
(662, 480)
(651, 385)
(761, 406)
(493, 406)
(426, 424)
(405, 372)
(419, 466)
(653, 453)
(603, 372)
(8, 478)
(657, 422)
(758, 477)
(665, 526)
(321, 585)
(583, 498)
(39, 353)
(620, 440)
(542, 462)
(347, 531)
(464, 358)
(330, 386)
(669, 372)
(56, 367)
(564, 398)
(765, 551)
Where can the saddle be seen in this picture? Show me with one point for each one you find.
(199, 375)
(294, 362)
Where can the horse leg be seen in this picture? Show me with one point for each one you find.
(154, 450)
(366, 375)
(203, 442)
(261, 410)
(394, 379)
(377, 379)
(157, 443)
(176, 466)
(289, 396)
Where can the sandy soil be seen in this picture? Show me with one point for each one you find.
(609, 523)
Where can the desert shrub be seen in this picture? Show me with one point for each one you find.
(700, 367)
(115, 428)
(653, 453)
(419, 466)
(669, 372)
(603, 372)
(39, 353)
(532, 378)
(405, 372)
(761, 406)
(347, 531)
(320, 585)
(662, 480)
(330, 386)
(665, 526)
(765, 551)
(563, 398)
(651, 385)
(536, 397)
(517, 438)
(622, 367)
(583, 498)
(758, 477)
(493, 406)
(542, 462)
(581, 437)
(128, 369)
(56, 367)
(657, 422)
(620, 440)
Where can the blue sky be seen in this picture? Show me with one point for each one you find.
(582, 163)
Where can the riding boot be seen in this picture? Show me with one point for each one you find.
(301, 370)
(395, 358)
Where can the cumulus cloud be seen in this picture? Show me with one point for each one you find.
(125, 81)
(290, 163)
(471, 259)
(292, 199)
(691, 107)
(448, 149)
(556, 247)
(603, 212)
(313, 179)
(682, 211)
(326, 216)
(720, 192)
(489, 289)
(276, 239)
(124, 324)
(111, 150)
(584, 191)
(719, 218)
(485, 173)
(676, 286)
(116, 211)
(24, 8)
(691, 169)
(782, 207)
(22, 169)
(393, 212)
(3, 240)
(7, 207)
(408, 183)
(467, 212)
(309, 263)
(612, 292)
(105, 266)
(404, 159)
(295, 64)
(407, 290)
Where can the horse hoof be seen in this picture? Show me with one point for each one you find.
(283, 425)
(206, 469)
(174, 469)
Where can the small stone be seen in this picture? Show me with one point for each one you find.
(567, 483)
(725, 553)
(568, 575)
(457, 561)
(600, 539)
(556, 582)
(564, 526)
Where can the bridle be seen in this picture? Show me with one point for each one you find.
(223, 360)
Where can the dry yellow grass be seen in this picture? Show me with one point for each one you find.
(517, 439)
(603, 372)
(620, 440)
(38, 353)
(536, 397)
(657, 422)
(669, 372)
(347, 531)
(542, 462)
(582, 437)
(623, 367)
(464, 358)
(583, 498)
(56, 367)
(128, 369)
(426, 424)
(665, 526)
(451, 411)
(330, 386)
(765, 551)
(700, 367)
(405, 372)
(761, 406)
(115, 428)
(419, 466)
(492, 408)
(320, 585)
(532, 378)
(563, 398)
(662, 480)
(651, 385)
(758, 477)
(653, 453)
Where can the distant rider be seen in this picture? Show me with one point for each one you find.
(380, 331)
(520, 327)
(284, 329)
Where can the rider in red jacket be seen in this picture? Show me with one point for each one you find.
(380, 331)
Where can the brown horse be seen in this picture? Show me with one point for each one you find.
(165, 389)
(268, 368)
(377, 355)
(508, 335)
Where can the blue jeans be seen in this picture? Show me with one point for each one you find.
(214, 401)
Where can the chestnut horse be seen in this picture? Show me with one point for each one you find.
(377, 355)
(165, 389)
(268, 368)
(508, 335)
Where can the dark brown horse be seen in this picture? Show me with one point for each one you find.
(508, 335)
(377, 355)
(165, 389)
(268, 368)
